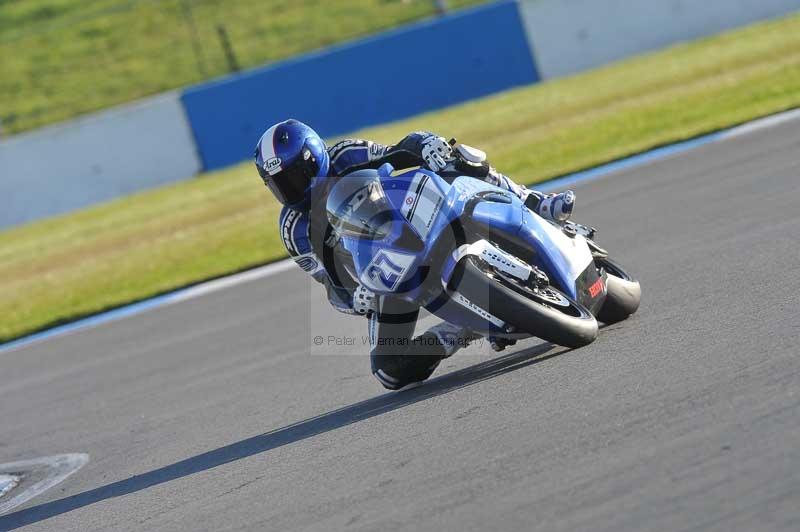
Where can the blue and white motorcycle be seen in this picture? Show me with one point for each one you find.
(475, 256)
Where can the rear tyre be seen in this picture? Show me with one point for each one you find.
(546, 313)
(624, 292)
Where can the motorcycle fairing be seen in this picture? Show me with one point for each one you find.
(564, 259)
(426, 206)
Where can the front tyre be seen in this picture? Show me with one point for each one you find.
(624, 292)
(546, 313)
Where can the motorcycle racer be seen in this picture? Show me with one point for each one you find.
(298, 168)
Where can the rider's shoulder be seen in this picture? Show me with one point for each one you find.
(341, 146)
(351, 152)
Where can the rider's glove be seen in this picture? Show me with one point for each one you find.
(364, 301)
(436, 152)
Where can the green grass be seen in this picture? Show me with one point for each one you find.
(61, 58)
(129, 249)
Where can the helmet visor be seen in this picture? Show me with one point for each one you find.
(290, 185)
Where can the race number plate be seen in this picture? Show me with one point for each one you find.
(386, 271)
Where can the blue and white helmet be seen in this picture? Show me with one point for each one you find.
(290, 156)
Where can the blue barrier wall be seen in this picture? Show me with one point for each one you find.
(391, 76)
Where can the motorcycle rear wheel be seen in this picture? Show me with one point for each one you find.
(624, 292)
(546, 313)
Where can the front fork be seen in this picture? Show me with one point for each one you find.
(498, 259)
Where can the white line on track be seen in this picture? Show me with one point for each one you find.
(232, 280)
(52, 469)
(761, 124)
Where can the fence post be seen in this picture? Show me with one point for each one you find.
(198, 51)
(233, 64)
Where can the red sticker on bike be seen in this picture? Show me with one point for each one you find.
(596, 288)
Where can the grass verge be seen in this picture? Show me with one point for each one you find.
(61, 58)
(62, 268)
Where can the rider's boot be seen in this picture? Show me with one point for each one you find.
(555, 207)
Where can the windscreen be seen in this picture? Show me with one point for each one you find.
(357, 207)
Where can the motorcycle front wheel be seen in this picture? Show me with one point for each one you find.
(543, 312)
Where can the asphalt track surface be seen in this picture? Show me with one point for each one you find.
(220, 413)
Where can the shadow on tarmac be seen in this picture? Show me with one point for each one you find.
(289, 434)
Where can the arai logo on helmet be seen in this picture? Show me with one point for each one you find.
(273, 165)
